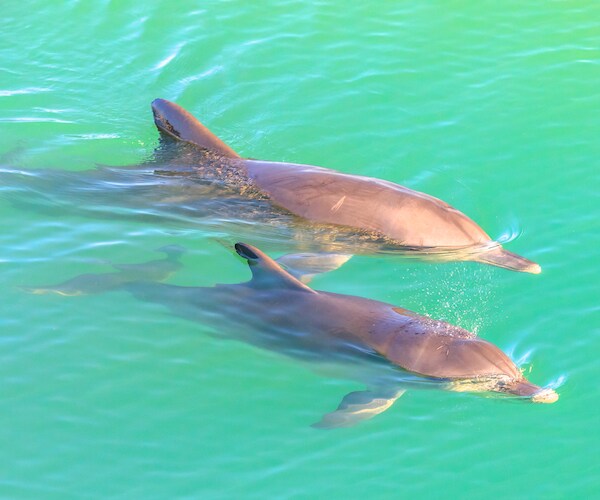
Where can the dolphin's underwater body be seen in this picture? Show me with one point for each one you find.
(385, 347)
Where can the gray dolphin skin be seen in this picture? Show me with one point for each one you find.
(387, 348)
(407, 220)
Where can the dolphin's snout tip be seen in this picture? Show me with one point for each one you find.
(545, 396)
(534, 268)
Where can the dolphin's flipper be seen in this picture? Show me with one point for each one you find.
(174, 121)
(304, 266)
(359, 406)
(500, 257)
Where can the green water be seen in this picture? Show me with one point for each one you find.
(491, 106)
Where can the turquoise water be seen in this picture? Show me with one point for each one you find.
(490, 106)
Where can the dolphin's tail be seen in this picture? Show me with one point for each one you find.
(500, 257)
(85, 284)
(88, 284)
(535, 393)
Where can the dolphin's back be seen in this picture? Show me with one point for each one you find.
(416, 343)
(411, 218)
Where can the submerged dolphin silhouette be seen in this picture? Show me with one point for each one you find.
(386, 347)
(405, 219)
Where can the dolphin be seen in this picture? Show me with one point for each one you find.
(406, 220)
(324, 215)
(387, 348)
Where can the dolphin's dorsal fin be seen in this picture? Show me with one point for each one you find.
(173, 120)
(266, 273)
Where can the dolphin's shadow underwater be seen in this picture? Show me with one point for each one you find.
(195, 177)
(387, 348)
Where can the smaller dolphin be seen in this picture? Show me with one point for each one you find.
(385, 347)
(404, 219)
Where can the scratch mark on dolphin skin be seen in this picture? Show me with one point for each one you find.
(338, 205)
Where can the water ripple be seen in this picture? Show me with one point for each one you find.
(24, 91)
(493, 109)
(172, 55)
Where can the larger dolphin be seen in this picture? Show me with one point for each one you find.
(405, 219)
(199, 178)
(386, 347)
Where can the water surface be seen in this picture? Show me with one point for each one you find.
(491, 107)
